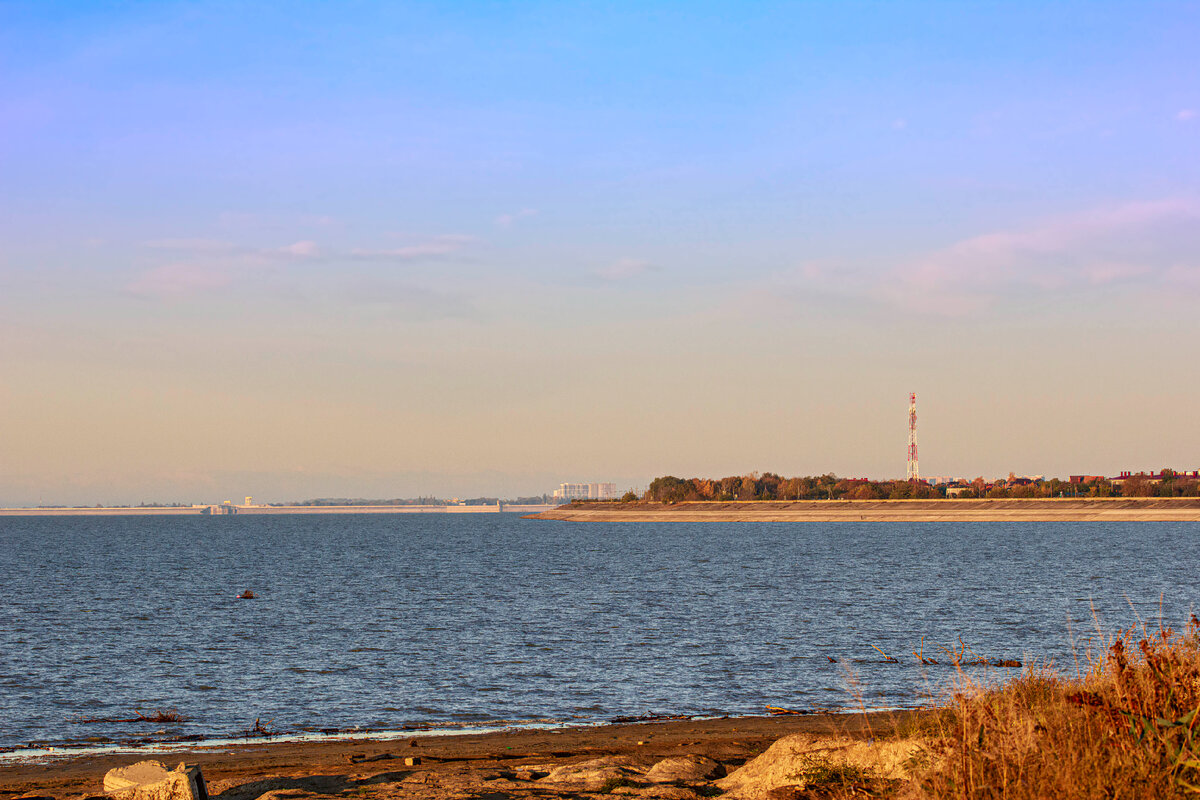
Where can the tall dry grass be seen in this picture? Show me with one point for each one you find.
(1126, 727)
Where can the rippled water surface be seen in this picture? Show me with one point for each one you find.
(383, 621)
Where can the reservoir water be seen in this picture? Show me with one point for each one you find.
(385, 622)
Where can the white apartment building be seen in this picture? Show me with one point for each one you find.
(586, 491)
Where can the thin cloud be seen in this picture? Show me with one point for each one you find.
(173, 281)
(624, 268)
(507, 220)
(437, 247)
(304, 249)
(191, 245)
(1186, 115)
(206, 265)
(1147, 246)
(412, 302)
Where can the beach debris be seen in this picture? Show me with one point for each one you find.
(886, 657)
(1005, 662)
(151, 780)
(685, 769)
(246, 595)
(158, 717)
(920, 654)
(777, 711)
(362, 758)
(261, 728)
(650, 716)
(412, 761)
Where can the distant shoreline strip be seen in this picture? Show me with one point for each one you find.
(1116, 509)
(224, 510)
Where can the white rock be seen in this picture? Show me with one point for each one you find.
(786, 762)
(150, 780)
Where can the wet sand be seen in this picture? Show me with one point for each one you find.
(1116, 509)
(494, 765)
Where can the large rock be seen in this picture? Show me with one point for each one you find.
(594, 775)
(794, 759)
(151, 780)
(685, 769)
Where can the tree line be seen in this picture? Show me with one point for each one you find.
(770, 486)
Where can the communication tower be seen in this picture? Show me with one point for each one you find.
(913, 473)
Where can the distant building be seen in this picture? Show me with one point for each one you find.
(941, 480)
(586, 491)
(1152, 477)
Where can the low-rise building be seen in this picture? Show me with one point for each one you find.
(586, 491)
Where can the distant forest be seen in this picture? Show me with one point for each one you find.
(769, 486)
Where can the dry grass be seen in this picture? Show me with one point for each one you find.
(1127, 726)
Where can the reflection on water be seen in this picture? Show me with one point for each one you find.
(383, 622)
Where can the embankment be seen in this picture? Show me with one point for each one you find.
(1098, 509)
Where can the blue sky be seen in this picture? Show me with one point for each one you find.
(301, 249)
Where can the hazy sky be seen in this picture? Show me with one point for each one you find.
(385, 249)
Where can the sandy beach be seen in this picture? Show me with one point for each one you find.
(1116, 509)
(503, 764)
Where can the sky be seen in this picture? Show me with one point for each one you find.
(314, 249)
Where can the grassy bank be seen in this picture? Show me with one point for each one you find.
(1126, 725)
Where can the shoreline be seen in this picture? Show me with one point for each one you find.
(236, 510)
(1098, 509)
(450, 761)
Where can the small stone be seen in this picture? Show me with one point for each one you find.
(412, 761)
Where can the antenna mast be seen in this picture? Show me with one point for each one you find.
(913, 473)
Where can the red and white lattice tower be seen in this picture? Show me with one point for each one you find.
(914, 474)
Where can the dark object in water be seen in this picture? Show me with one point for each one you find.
(246, 595)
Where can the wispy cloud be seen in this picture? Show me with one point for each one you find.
(506, 220)
(1151, 246)
(205, 265)
(1186, 115)
(178, 280)
(191, 245)
(439, 246)
(624, 268)
(413, 302)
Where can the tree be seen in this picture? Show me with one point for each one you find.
(1137, 486)
(749, 488)
(669, 489)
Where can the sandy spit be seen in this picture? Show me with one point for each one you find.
(1115, 509)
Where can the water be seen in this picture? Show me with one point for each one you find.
(382, 621)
